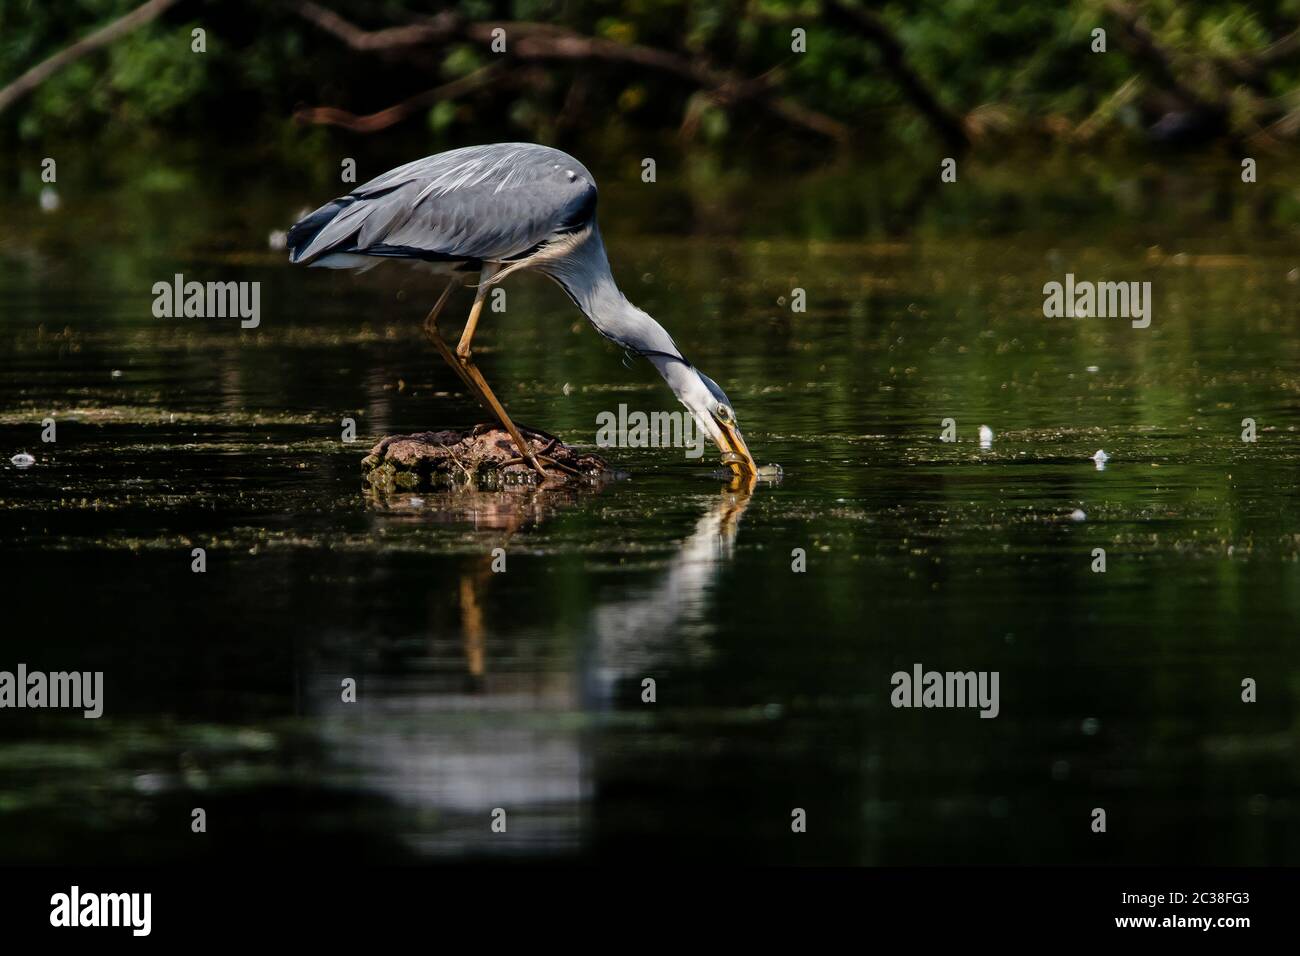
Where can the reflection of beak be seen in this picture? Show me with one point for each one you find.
(735, 453)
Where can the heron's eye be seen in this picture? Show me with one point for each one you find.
(723, 412)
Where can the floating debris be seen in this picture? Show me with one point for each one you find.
(986, 436)
(22, 460)
(483, 457)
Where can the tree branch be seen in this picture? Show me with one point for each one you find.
(100, 38)
(439, 28)
(540, 42)
(373, 122)
(947, 124)
(1142, 43)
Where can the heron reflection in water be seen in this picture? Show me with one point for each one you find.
(511, 741)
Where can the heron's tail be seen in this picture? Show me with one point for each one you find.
(302, 232)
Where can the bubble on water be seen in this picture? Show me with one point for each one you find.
(278, 239)
(1078, 515)
(772, 473)
(1100, 459)
(1060, 769)
(567, 389)
(986, 436)
(1093, 368)
(116, 373)
(49, 199)
(1090, 726)
(22, 460)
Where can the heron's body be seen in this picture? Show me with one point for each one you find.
(494, 210)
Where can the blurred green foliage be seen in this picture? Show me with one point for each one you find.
(1010, 64)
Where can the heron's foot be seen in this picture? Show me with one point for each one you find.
(536, 462)
(551, 440)
(562, 466)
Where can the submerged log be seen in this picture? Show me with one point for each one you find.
(484, 457)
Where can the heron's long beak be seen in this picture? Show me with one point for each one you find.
(735, 453)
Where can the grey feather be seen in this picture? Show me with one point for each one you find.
(481, 203)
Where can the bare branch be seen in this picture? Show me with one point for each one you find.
(541, 42)
(373, 122)
(100, 38)
(437, 29)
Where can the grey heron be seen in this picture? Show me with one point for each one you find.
(496, 210)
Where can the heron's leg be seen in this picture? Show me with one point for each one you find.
(469, 373)
(476, 380)
(448, 356)
(471, 324)
(489, 399)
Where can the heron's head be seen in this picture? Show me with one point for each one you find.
(716, 415)
(710, 407)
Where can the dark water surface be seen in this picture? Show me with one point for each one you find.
(522, 690)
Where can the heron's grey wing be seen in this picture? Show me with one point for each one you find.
(486, 203)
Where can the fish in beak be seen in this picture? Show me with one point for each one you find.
(735, 453)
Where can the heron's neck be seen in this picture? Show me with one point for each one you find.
(586, 276)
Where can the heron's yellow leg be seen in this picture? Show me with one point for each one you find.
(471, 616)
(467, 336)
(460, 360)
(448, 356)
(470, 369)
